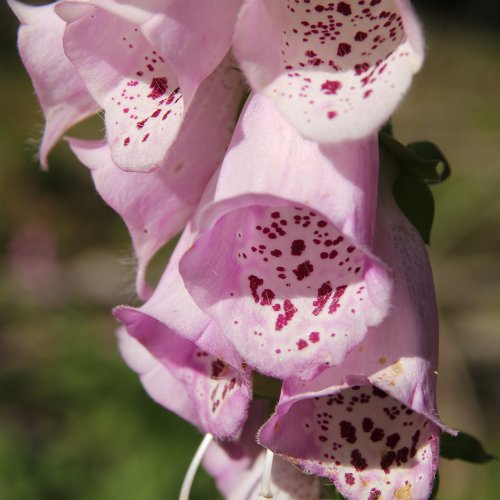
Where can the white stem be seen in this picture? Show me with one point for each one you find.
(193, 467)
(265, 486)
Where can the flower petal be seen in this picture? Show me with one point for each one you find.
(156, 206)
(219, 394)
(141, 86)
(189, 345)
(159, 382)
(335, 70)
(238, 467)
(282, 260)
(369, 443)
(371, 424)
(62, 95)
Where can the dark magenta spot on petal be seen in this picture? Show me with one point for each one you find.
(330, 87)
(314, 337)
(289, 313)
(379, 392)
(349, 479)
(302, 344)
(367, 424)
(358, 461)
(393, 440)
(348, 431)
(339, 291)
(377, 435)
(344, 49)
(217, 368)
(324, 293)
(402, 455)
(159, 86)
(267, 297)
(255, 282)
(303, 270)
(387, 460)
(344, 8)
(298, 246)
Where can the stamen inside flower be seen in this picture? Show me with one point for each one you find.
(193, 467)
(265, 486)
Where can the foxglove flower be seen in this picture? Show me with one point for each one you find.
(370, 425)
(184, 362)
(142, 62)
(336, 70)
(63, 97)
(157, 205)
(282, 257)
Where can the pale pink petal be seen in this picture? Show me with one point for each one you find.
(189, 345)
(158, 381)
(60, 91)
(368, 443)
(287, 482)
(238, 467)
(335, 70)
(155, 206)
(370, 425)
(282, 258)
(195, 36)
(128, 58)
(230, 462)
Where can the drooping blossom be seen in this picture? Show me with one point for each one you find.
(284, 266)
(183, 360)
(282, 257)
(156, 206)
(336, 70)
(238, 467)
(370, 424)
(142, 62)
(63, 97)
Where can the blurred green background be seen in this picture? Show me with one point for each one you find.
(74, 421)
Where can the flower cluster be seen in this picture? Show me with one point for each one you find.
(295, 265)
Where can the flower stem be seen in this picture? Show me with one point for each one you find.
(193, 467)
(265, 486)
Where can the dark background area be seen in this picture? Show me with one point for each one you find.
(74, 420)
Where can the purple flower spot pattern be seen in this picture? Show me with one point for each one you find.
(147, 104)
(350, 429)
(299, 278)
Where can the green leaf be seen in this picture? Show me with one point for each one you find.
(464, 447)
(329, 491)
(387, 128)
(415, 200)
(428, 151)
(266, 387)
(420, 159)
